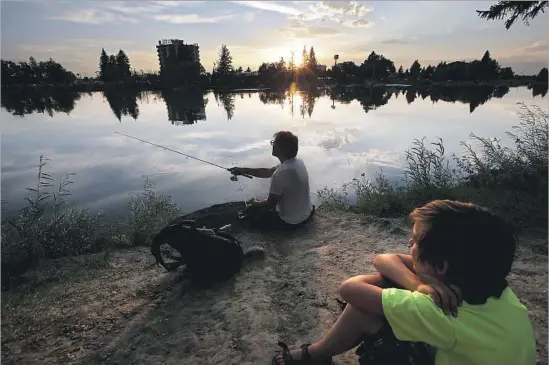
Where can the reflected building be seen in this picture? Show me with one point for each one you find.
(184, 108)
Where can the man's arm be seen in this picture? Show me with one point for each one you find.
(270, 202)
(263, 173)
(399, 269)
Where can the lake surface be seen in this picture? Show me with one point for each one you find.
(342, 133)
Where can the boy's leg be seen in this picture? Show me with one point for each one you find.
(347, 332)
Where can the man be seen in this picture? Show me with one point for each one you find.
(454, 305)
(289, 202)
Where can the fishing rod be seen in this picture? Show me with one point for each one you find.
(181, 153)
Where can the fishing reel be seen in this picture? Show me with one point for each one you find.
(234, 178)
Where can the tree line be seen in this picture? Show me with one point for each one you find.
(114, 68)
(32, 72)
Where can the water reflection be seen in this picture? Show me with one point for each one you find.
(185, 108)
(123, 102)
(37, 101)
(227, 100)
(538, 89)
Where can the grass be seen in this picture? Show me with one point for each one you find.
(511, 181)
(48, 227)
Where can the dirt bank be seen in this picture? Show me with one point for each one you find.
(130, 312)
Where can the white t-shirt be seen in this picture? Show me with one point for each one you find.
(290, 182)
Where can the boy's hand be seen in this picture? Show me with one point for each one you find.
(448, 298)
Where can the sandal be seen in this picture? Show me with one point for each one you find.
(306, 358)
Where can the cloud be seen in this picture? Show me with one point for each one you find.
(359, 23)
(249, 16)
(93, 16)
(394, 41)
(343, 7)
(189, 18)
(270, 6)
(298, 30)
(536, 51)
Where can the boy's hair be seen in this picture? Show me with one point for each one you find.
(478, 246)
(287, 142)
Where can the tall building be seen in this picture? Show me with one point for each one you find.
(178, 61)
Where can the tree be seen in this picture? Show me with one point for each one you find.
(305, 57)
(415, 69)
(542, 75)
(291, 64)
(225, 62)
(122, 66)
(512, 10)
(103, 65)
(400, 72)
(312, 63)
(248, 69)
(239, 70)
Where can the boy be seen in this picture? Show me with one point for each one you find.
(455, 299)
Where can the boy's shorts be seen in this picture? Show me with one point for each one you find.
(383, 348)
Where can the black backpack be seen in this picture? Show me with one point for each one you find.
(209, 254)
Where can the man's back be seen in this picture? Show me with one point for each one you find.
(290, 181)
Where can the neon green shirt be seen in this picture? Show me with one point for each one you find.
(498, 332)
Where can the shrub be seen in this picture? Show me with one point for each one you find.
(510, 181)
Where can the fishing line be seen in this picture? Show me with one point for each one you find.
(181, 153)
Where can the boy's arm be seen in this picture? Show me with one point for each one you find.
(399, 269)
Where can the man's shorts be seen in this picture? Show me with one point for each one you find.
(269, 219)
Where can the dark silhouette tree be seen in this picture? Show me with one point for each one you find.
(312, 63)
(239, 70)
(122, 66)
(224, 64)
(248, 69)
(542, 75)
(513, 10)
(103, 65)
(415, 69)
(304, 57)
(291, 64)
(400, 72)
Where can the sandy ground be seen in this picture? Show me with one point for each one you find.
(130, 312)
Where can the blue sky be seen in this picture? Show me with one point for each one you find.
(73, 32)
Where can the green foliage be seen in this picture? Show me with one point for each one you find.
(513, 182)
(542, 75)
(149, 212)
(48, 227)
(224, 65)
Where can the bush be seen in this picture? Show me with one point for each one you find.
(49, 228)
(149, 212)
(513, 182)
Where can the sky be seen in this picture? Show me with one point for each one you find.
(73, 32)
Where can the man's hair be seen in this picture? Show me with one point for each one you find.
(287, 142)
(478, 246)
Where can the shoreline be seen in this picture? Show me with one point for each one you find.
(138, 87)
(122, 309)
